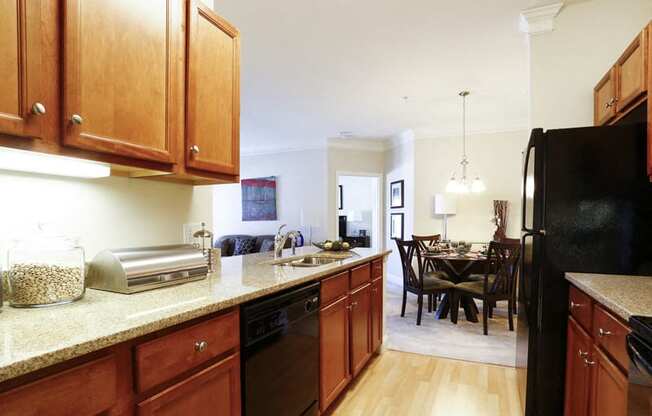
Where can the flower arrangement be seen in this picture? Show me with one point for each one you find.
(500, 219)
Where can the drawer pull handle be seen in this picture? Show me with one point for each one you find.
(603, 333)
(76, 119)
(194, 149)
(38, 109)
(200, 346)
(574, 305)
(589, 363)
(582, 354)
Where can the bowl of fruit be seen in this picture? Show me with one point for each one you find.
(329, 245)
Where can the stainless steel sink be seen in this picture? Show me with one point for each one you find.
(307, 261)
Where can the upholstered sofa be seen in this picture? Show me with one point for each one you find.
(227, 243)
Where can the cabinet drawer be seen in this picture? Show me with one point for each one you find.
(87, 389)
(580, 307)
(163, 358)
(360, 275)
(334, 287)
(609, 333)
(377, 269)
(213, 391)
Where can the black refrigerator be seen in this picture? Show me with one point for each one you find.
(587, 207)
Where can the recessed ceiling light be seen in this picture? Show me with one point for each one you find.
(346, 134)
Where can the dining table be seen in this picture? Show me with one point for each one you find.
(459, 267)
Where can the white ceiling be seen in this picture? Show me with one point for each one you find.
(314, 68)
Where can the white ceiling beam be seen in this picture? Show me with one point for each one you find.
(540, 19)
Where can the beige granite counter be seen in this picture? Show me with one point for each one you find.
(623, 295)
(31, 339)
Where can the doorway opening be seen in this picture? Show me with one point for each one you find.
(359, 199)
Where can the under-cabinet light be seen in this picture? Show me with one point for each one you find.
(34, 162)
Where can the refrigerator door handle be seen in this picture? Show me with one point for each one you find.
(524, 196)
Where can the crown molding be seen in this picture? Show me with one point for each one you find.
(359, 145)
(540, 19)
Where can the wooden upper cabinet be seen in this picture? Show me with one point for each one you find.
(213, 93)
(23, 79)
(605, 98)
(578, 372)
(631, 72)
(123, 77)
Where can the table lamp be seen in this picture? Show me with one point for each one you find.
(445, 205)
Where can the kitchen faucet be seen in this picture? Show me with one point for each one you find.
(280, 239)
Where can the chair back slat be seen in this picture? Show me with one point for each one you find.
(504, 260)
(425, 241)
(406, 250)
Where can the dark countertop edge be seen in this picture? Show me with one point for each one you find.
(68, 353)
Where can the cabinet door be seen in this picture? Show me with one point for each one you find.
(123, 77)
(213, 94)
(609, 387)
(604, 96)
(578, 372)
(213, 391)
(334, 351)
(22, 78)
(631, 74)
(376, 314)
(360, 328)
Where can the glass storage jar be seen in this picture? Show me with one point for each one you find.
(45, 271)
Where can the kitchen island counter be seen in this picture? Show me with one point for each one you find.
(32, 339)
(624, 295)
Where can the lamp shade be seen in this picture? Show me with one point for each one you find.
(445, 205)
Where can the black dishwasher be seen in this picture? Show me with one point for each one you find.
(280, 360)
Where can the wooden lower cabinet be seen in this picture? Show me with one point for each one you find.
(596, 379)
(376, 314)
(213, 391)
(609, 387)
(578, 372)
(351, 330)
(334, 360)
(360, 328)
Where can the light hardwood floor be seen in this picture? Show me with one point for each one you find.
(399, 383)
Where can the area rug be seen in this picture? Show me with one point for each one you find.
(442, 338)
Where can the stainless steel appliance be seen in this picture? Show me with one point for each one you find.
(586, 208)
(280, 360)
(639, 347)
(133, 270)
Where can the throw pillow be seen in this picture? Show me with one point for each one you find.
(243, 246)
(268, 245)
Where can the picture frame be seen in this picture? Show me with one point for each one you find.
(341, 197)
(396, 194)
(396, 229)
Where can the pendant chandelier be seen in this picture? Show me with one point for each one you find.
(464, 185)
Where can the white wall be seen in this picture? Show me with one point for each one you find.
(301, 184)
(349, 160)
(400, 164)
(496, 157)
(566, 64)
(104, 213)
(361, 205)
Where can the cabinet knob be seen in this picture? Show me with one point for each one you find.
(38, 109)
(194, 149)
(589, 363)
(76, 119)
(574, 305)
(200, 346)
(611, 102)
(603, 333)
(582, 354)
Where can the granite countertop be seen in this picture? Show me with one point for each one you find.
(31, 339)
(623, 295)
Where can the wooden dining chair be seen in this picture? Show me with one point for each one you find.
(425, 241)
(420, 283)
(499, 282)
